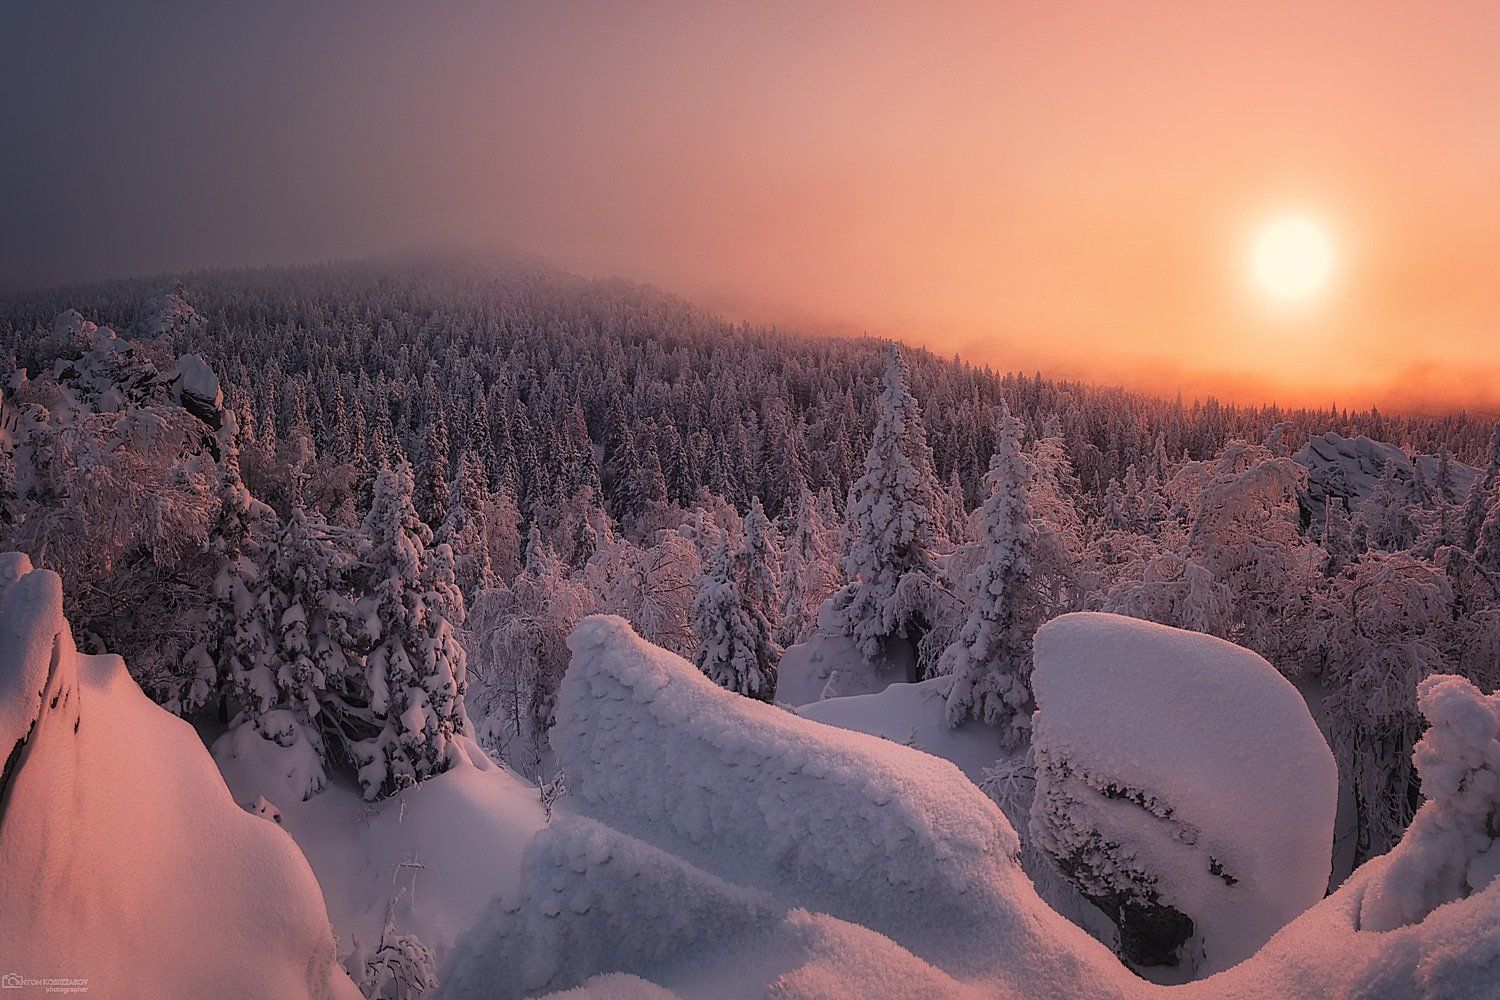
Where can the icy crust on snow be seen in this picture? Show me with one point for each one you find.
(123, 859)
(1177, 764)
(850, 825)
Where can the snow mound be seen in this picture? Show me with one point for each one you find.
(915, 715)
(1450, 851)
(850, 825)
(1349, 468)
(1182, 784)
(123, 860)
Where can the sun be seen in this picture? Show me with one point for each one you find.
(1292, 258)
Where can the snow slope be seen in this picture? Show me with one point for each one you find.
(446, 847)
(1198, 767)
(123, 859)
(914, 715)
(829, 665)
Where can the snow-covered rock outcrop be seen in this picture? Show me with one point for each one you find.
(123, 860)
(763, 813)
(1348, 468)
(1181, 785)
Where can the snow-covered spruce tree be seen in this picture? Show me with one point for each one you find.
(807, 571)
(321, 704)
(466, 528)
(1450, 852)
(236, 655)
(1487, 542)
(891, 529)
(1338, 536)
(1247, 533)
(416, 670)
(735, 647)
(430, 492)
(1388, 514)
(1390, 617)
(1476, 508)
(990, 662)
(756, 564)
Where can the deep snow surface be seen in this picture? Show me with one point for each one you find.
(123, 859)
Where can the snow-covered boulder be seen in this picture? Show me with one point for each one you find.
(124, 863)
(837, 822)
(196, 388)
(1181, 785)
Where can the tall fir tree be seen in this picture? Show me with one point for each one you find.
(735, 648)
(416, 670)
(891, 525)
(990, 662)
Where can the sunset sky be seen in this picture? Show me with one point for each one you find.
(1076, 188)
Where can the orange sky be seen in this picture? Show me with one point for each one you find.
(1072, 187)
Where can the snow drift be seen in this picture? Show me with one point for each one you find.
(433, 856)
(829, 665)
(123, 860)
(1181, 784)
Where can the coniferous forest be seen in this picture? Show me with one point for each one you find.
(350, 515)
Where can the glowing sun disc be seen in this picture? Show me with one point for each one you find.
(1292, 258)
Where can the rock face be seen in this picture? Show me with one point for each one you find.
(197, 390)
(1348, 468)
(1181, 786)
(110, 373)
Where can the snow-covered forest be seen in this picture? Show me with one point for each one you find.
(355, 522)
